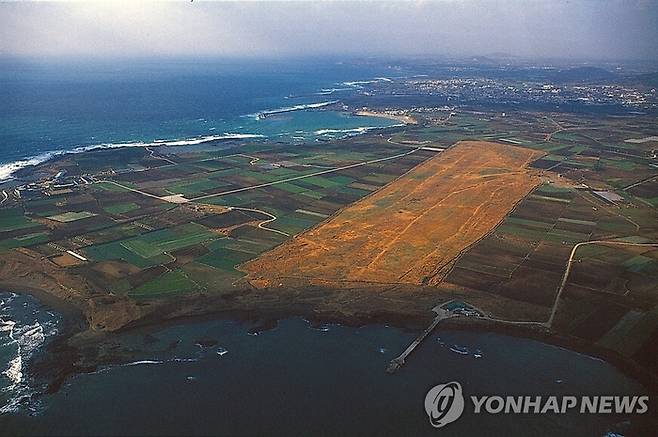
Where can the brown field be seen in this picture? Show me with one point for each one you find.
(413, 229)
(66, 260)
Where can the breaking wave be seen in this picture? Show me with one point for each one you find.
(23, 330)
(353, 131)
(149, 362)
(329, 91)
(265, 113)
(205, 139)
(360, 83)
(7, 170)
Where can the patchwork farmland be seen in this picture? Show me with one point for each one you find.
(413, 229)
(134, 232)
(136, 242)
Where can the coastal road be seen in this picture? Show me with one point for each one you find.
(565, 277)
(262, 224)
(254, 159)
(390, 140)
(549, 136)
(156, 156)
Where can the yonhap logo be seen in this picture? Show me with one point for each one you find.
(444, 404)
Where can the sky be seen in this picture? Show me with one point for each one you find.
(569, 29)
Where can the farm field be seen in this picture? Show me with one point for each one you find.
(413, 229)
(130, 233)
(129, 240)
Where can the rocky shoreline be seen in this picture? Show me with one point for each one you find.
(81, 349)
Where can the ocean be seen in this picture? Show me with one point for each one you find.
(218, 378)
(51, 107)
(26, 327)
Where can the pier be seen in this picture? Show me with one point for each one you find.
(399, 361)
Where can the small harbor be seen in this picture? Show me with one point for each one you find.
(444, 311)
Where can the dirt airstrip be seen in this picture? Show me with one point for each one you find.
(412, 230)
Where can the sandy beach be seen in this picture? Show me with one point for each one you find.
(406, 119)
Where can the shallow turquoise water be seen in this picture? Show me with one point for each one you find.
(50, 107)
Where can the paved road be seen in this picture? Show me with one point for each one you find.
(272, 217)
(549, 323)
(134, 190)
(156, 156)
(561, 128)
(267, 184)
(296, 178)
(650, 178)
(565, 277)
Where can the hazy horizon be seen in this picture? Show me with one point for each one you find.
(542, 29)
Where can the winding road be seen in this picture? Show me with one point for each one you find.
(272, 217)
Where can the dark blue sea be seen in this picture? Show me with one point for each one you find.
(54, 106)
(220, 378)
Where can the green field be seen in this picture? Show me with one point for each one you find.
(167, 240)
(150, 249)
(24, 240)
(12, 219)
(107, 186)
(173, 282)
(226, 259)
(116, 251)
(67, 217)
(121, 208)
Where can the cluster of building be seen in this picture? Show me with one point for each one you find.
(458, 90)
(58, 185)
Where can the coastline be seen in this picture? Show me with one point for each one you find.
(406, 119)
(77, 349)
(72, 314)
(623, 364)
(94, 321)
(24, 168)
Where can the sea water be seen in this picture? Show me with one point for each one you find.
(213, 377)
(51, 107)
(25, 327)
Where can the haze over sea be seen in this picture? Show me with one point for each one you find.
(54, 106)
